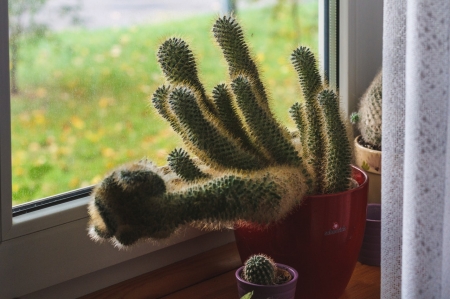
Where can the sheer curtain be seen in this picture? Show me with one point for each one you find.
(416, 150)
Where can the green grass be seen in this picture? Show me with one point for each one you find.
(84, 103)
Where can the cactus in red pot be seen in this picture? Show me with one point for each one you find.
(238, 163)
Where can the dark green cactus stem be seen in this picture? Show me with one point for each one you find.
(260, 269)
(229, 117)
(311, 83)
(297, 112)
(180, 162)
(267, 132)
(160, 101)
(131, 210)
(178, 65)
(213, 146)
(132, 185)
(229, 36)
(338, 155)
(306, 66)
(228, 199)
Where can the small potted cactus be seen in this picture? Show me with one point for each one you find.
(266, 279)
(291, 195)
(368, 145)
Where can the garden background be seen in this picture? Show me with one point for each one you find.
(82, 104)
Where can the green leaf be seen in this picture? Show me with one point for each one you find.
(248, 295)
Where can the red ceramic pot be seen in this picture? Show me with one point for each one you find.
(321, 239)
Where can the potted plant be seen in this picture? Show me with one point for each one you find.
(368, 156)
(265, 279)
(368, 145)
(244, 170)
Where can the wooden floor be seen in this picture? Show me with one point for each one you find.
(211, 275)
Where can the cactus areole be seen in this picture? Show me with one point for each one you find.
(238, 162)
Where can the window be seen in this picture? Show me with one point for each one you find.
(50, 246)
(80, 89)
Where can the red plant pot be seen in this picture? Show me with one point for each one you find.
(321, 239)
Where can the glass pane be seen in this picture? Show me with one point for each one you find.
(82, 74)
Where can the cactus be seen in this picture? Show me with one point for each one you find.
(368, 116)
(260, 269)
(245, 165)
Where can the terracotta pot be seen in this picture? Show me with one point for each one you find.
(321, 239)
(281, 291)
(370, 161)
(370, 253)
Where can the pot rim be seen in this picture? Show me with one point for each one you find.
(291, 270)
(361, 186)
(378, 205)
(376, 152)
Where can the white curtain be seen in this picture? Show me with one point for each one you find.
(415, 261)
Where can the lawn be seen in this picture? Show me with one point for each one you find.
(84, 106)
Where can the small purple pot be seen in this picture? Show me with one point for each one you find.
(370, 250)
(281, 291)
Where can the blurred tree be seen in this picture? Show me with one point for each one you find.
(279, 10)
(23, 22)
(230, 6)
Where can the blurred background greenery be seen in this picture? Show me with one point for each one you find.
(80, 101)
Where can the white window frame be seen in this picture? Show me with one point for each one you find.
(47, 254)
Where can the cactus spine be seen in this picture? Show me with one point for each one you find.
(369, 113)
(247, 166)
(260, 269)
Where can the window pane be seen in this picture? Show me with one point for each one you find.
(82, 74)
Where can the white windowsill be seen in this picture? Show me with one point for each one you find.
(43, 245)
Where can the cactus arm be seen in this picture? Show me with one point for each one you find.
(297, 112)
(178, 65)
(267, 132)
(310, 80)
(229, 36)
(143, 201)
(229, 116)
(161, 103)
(180, 162)
(338, 155)
(311, 83)
(212, 145)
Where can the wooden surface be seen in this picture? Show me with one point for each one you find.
(211, 275)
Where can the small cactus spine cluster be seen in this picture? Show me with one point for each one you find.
(240, 163)
(260, 269)
(368, 117)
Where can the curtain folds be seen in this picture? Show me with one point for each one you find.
(416, 150)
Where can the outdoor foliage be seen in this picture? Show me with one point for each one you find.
(84, 108)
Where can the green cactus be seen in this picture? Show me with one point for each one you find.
(311, 83)
(369, 114)
(245, 165)
(260, 269)
(182, 164)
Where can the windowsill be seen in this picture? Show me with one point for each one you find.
(211, 275)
